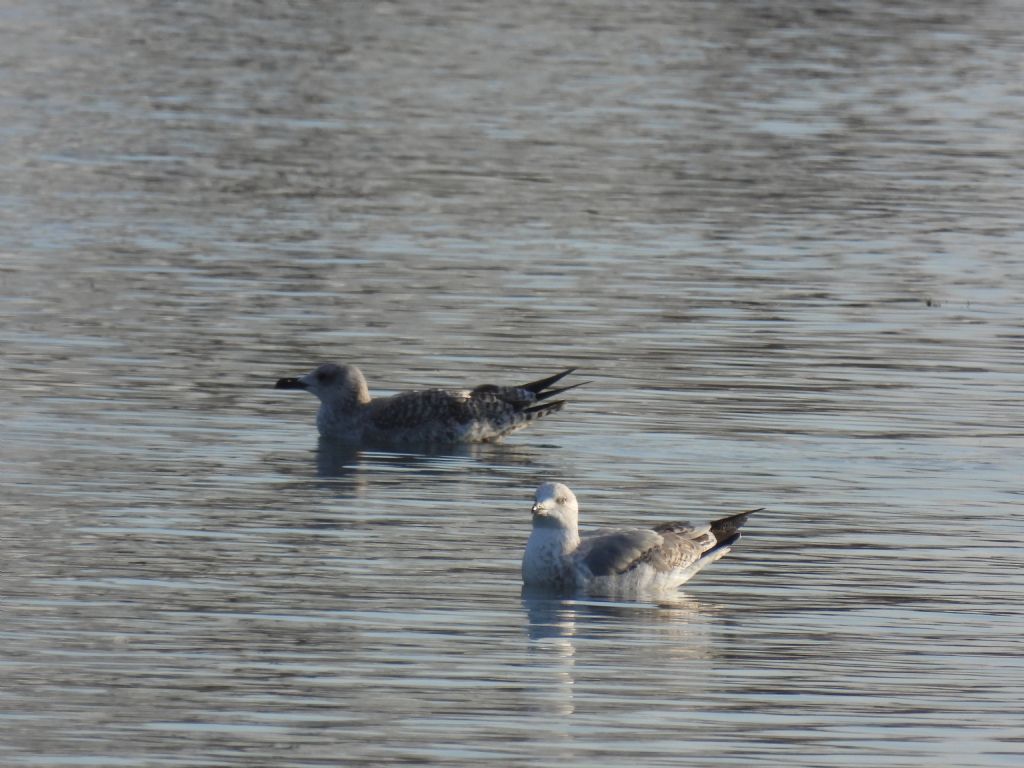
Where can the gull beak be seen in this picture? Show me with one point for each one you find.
(537, 509)
(290, 384)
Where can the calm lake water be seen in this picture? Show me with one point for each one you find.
(784, 242)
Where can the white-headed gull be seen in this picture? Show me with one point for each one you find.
(617, 561)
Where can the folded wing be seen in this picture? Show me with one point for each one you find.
(410, 410)
(501, 407)
(670, 546)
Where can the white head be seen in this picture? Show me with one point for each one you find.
(340, 385)
(554, 506)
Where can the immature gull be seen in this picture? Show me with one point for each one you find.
(431, 416)
(616, 561)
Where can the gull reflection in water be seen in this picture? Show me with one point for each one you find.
(338, 460)
(568, 631)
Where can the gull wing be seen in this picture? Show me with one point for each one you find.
(409, 410)
(666, 547)
(481, 414)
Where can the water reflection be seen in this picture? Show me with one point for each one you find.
(350, 472)
(550, 616)
(340, 460)
(336, 460)
(567, 632)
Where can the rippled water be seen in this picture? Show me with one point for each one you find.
(782, 240)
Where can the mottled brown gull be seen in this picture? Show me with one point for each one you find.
(483, 414)
(617, 561)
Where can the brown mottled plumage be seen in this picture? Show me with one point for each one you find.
(433, 416)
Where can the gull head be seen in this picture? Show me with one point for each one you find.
(332, 383)
(554, 506)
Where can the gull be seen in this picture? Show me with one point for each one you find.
(483, 414)
(621, 560)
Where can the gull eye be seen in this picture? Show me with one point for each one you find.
(561, 500)
(326, 376)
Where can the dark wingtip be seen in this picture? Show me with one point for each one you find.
(727, 527)
(541, 384)
(559, 390)
(290, 383)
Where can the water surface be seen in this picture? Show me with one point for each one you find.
(782, 242)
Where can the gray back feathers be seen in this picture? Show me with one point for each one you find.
(666, 547)
(674, 545)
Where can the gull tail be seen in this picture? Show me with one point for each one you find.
(727, 533)
(525, 400)
(727, 530)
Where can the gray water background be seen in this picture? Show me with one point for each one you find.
(782, 240)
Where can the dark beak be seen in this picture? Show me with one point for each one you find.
(289, 384)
